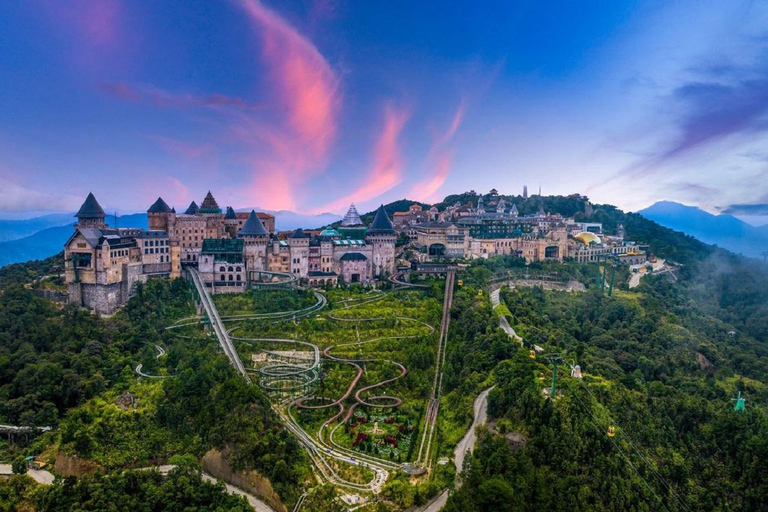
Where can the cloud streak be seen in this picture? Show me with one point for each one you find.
(17, 198)
(387, 167)
(166, 99)
(303, 81)
(440, 160)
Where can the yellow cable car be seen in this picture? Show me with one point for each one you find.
(541, 376)
(479, 293)
(532, 354)
(461, 282)
(611, 431)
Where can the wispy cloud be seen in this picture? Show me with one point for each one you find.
(19, 198)
(387, 167)
(303, 80)
(440, 159)
(143, 93)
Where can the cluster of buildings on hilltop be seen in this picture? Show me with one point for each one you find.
(479, 231)
(230, 250)
(233, 250)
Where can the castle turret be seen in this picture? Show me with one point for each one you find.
(382, 236)
(256, 238)
(192, 209)
(158, 215)
(91, 214)
(230, 222)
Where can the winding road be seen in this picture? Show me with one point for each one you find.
(464, 447)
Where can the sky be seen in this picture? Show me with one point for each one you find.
(310, 105)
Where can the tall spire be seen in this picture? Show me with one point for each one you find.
(193, 209)
(159, 206)
(381, 224)
(352, 218)
(91, 209)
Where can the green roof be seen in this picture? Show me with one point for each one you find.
(222, 245)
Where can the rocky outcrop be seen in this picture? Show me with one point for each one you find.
(72, 465)
(216, 463)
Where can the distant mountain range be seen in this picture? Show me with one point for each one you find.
(724, 231)
(40, 237)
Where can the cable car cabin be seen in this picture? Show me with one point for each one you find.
(479, 293)
(461, 282)
(611, 431)
(532, 354)
(541, 376)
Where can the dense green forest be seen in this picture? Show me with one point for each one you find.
(662, 365)
(66, 368)
(130, 491)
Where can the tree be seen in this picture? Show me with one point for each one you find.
(19, 465)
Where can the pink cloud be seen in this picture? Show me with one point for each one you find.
(303, 81)
(162, 98)
(440, 160)
(387, 169)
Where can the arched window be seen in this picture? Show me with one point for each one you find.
(238, 277)
(222, 278)
(238, 269)
(222, 269)
(230, 278)
(231, 269)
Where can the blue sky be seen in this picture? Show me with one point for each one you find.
(312, 104)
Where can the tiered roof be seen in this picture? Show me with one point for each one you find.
(209, 204)
(352, 218)
(91, 209)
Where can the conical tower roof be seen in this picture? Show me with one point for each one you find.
(352, 218)
(91, 209)
(159, 206)
(381, 224)
(253, 226)
(231, 215)
(209, 204)
(299, 233)
(193, 209)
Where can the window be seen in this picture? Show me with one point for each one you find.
(231, 269)
(238, 277)
(222, 278)
(239, 269)
(230, 278)
(222, 269)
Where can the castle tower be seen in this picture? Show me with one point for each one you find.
(192, 209)
(91, 214)
(256, 238)
(525, 191)
(230, 222)
(620, 231)
(381, 234)
(513, 211)
(502, 206)
(480, 205)
(299, 244)
(214, 225)
(159, 214)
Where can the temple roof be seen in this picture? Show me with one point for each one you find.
(193, 209)
(381, 224)
(231, 215)
(352, 218)
(253, 226)
(91, 209)
(159, 206)
(209, 204)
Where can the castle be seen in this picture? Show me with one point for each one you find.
(230, 251)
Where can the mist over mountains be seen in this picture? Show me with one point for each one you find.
(724, 231)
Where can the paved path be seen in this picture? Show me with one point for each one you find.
(465, 446)
(40, 476)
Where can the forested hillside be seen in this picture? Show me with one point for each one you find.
(662, 365)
